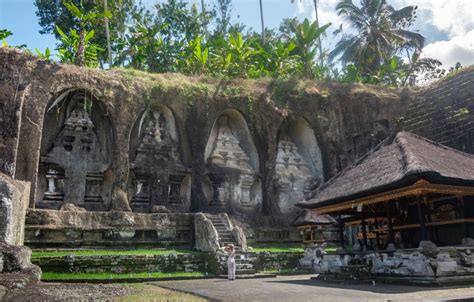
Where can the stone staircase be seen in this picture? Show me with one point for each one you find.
(244, 265)
(243, 261)
(222, 225)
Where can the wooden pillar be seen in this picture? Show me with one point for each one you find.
(364, 231)
(341, 229)
(463, 216)
(391, 236)
(428, 219)
(377, 235)
(421, 217)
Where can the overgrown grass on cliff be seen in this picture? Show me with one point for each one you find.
(137, 252)
(111, 276)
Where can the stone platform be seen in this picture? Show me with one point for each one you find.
(434, 266)
(72, 229)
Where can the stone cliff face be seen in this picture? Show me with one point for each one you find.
(243, 146)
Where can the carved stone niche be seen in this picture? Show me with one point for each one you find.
(75, 155)
(299, 166)
(232, 165)
(158, 176)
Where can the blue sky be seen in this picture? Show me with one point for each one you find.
(448, 25)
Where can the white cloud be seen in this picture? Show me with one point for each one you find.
(455, 17)
(458, 49)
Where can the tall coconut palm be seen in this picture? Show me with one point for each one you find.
(107, 34)
(382, 32)
(263, 23)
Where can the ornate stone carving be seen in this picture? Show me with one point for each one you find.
(158, 171)
(232, 176)
(76, 151)
(293, 175)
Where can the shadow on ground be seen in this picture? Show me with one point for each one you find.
(379, 288)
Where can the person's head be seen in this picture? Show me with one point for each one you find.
(230, 247)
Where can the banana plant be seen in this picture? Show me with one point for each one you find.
(44, 56)
(196, 57)
(70, 43)
(240, 55)
(305, 37)
(85, 19)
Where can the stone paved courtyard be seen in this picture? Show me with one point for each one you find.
(301, 288)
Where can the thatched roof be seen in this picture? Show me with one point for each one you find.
(399, 162)
(307, 217)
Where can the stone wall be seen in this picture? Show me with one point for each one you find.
(193, 262)
(51, 228)
(444, 112)
(218, 146)
(343, 121)
(277, 261)
(431, 266)
(207, 263)
(14, 198)
(16, 269)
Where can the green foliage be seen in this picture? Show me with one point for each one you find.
(175, 36)
(44, 56)
(84, 19)
(69, 45)
(382, 35)
(278, 248)
(4, 34)
(51, 13)
(306, 36)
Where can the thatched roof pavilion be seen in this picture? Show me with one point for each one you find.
(406, 183)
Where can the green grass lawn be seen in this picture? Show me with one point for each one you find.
(278, 248)
(151, 252)
(110, 276)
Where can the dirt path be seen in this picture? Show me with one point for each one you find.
(57, 292)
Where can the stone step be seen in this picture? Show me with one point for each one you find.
(243, 272)
(227, 242)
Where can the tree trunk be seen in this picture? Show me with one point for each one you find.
(319, 38)
(204, 19)
(107, 33)
(80, 60)
(263, 24)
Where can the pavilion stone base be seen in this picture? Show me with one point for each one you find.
(442, 266)
(82, 229)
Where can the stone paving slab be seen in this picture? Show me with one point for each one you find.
(302, 288)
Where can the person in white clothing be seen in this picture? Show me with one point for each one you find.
(230, 249)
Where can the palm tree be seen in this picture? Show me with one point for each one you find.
(107, 34)
(315, 2)
(204, 19)
(263, 24)
(382, 32)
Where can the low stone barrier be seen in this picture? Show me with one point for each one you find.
(208, 263)
(436, 266)
(277, 261)
(122, 264)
